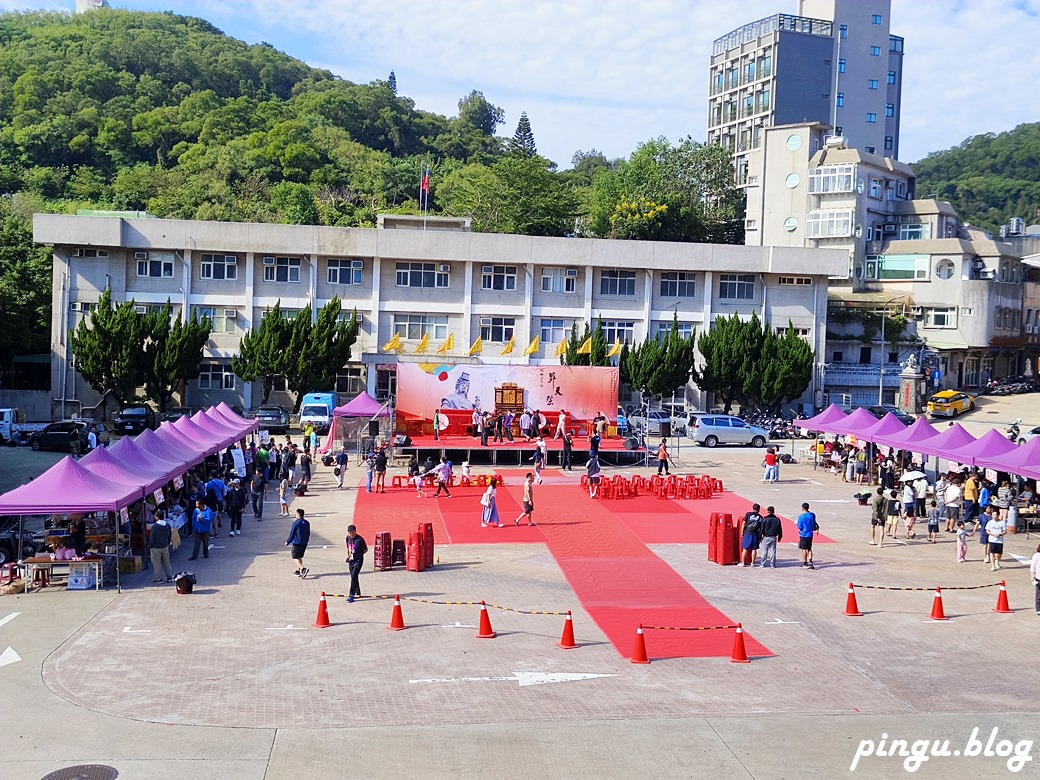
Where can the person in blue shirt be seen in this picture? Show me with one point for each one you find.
(341, 466)
(806, 528)
(202, 526)
(299, 538)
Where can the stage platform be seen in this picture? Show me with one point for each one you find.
(612, 451)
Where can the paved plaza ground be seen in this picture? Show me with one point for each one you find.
(232, 682)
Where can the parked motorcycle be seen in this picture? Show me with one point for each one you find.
(1012, 430)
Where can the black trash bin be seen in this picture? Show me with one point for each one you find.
(185, 582)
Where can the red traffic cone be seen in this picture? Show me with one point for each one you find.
(739, 654)
(485, 631)
(397, 618)
(567, 640)
(937, 607)
(851, 607)
(322, 621)
(1002, 603)
(639, 651)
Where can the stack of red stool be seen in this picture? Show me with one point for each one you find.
(381, 555)
(426, 530)
(416, 552)
(723, 539)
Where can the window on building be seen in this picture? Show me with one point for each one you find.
(498, 277)
(871, 118)
(841, 66)
(914, 232)
(875, 18)
(875, 188)
(283, 313)
(89, 251)
(736, 287)
(796, 281)
(837, 356)
(870, 149)
(732, 78)
(843, 31)
(553, 331)
(875, 51)
(619, 330)
(664, 330)
(422, 274)
(832, 178)
(893, 357)
(678, 284)
(897, 267)
(829, 224)
(749, 70)
(765, 65)
(945, 317)
(497, 328)
(1016, 319)
(718, 82)
(889, 144)
(617, 282)
(345, 271)
(967, 311)
(872, 83)
(891, 77)
(840, 99)
(158, 265)
(802, 332)
(350, 380)
(218, 267)
(281, 269)
(944, 268)
(221, 320)
(559, 280)
(216, 376)
(865, 354)
(890, 109)
(413, 326)
(895, 43)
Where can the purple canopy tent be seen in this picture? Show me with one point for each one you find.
(200, 433)
(859, 420)
(1024, 460)
(130, 450)
(824, 420)
(229, 414)
(166, 432)
(212, 421)
(950, 439)
(990, 445)
(171, 452)
(350, 419)
(131, 472)
(886, 426)
(909, 436)
(69, 487)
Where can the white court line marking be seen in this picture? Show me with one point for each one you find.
(129, 630)
(289, 627)
(524, 678)
(9, 656)
(779, 622)
(5, 620)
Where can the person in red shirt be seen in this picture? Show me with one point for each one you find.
(772, 471)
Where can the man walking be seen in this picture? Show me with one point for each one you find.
(772, 533)
(528, 501)
(592, 470)
(443, 472)
(750, 536)
(159, 546)
(662, 458)
(356, 549)
(568, 450)
(806, 528)
(878, 513)
(202, 526)
(299, 538)
(257, 492)
(341, 466)
(235, 503)
(380, 471)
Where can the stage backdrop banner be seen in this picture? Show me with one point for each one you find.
(581, 390)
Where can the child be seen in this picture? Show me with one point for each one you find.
(962, 542)
(467, 475)
(283, 497)
(419, 480)
(933, 522)
(892, 520)
(909, 519)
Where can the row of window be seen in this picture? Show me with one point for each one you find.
(501, 329)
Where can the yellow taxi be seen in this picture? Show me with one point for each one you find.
(950, 403)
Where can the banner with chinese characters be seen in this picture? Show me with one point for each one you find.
(583, 391)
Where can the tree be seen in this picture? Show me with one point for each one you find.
(659, 366)
(262, 351)
(573, 357)
(722, 350)
(106, 347)
(319, 351)
(391, 82)
(787, 366)
(479, 114)
(522, 144)
(172, 352)
(25, 288)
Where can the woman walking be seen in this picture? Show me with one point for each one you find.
(489, 516)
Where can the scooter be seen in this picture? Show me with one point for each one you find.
(1012, 430)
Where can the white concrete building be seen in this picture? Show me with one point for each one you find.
(440, 281)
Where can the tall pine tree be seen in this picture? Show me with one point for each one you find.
(262, 351)
(107, 348)
(522, 144)
(172, 351)
(392, 82)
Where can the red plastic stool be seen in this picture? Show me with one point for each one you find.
(9, 572)
(398, 481)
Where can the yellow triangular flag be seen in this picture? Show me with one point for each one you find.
(586, 348)
(424, 344)
(616, 349)
(447, 346)
(561, 348)
(478, 345)
(394, 344)
(534, 346)
(509, 347)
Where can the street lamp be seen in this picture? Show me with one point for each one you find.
(881, 375)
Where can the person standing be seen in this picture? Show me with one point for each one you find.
(436, 424)
(567, 452)
(284, 497)
(592, 470)
(381, 471)
(263, 460)
(952, 499)
(933, 522)
(561, 425)
(443, 472)
(507, 426)
(772, 533)
(202, 527)
(807, 526)
(971, 498)
(594, 442)
(289, 462)
(878, 512)
(235, 503)
(257, 492)
(1034, 572)
(662, 458)
(489, 515)
(769, 465)
(750, 536)
(92, 440)
(299, 538)
(892, 520)
(962, 542)
(995, 530)
(305, 468)
(528, 500)
(159, 547)
(356, 549)
(341, 466)
(525, 425)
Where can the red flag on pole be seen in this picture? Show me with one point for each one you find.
(425, 187)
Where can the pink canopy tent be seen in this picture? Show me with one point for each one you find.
(1024, 460)
(167, 433)
(950, 439)
(201, 433)
(822, 422)
(351, 418)
(908, 437)
(69, 487)
(886, 426)
(859, 420)
(128, 449)
(171, 452)
(214, 422)
(990, 445)
(131, 472)
(362, 405)
(231, 415)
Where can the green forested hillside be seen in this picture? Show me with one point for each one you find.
(988, 178)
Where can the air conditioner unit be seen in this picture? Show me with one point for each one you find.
(140, 309)
(268, 261)
(444, 268)
(890, 227)
(230, 314)
(978, 265)
(140, 255)
(572, 273)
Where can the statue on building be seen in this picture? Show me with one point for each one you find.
(910, 366)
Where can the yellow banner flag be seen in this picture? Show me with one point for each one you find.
(447, 346)
(394, 344)
(508, 347)
(561, 348)
(586, 348)
(616, 349)
(534, 346)
(478, 345)
(423, 345)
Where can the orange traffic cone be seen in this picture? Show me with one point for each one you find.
(485, 631)
(397, 618)
(639, 651)
(739, 654)
(937, 607)
(1002, 603)
(567, 640)
(851, 607)
(322, 621)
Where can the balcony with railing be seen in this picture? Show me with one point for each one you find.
(753, 31)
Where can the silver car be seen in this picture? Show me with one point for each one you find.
(712, 430)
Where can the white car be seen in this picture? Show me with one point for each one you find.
(682, 423)
(651, 426)
(1025, 436)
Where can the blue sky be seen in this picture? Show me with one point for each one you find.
(613, 73)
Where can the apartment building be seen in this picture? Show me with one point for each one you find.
(439, 282)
